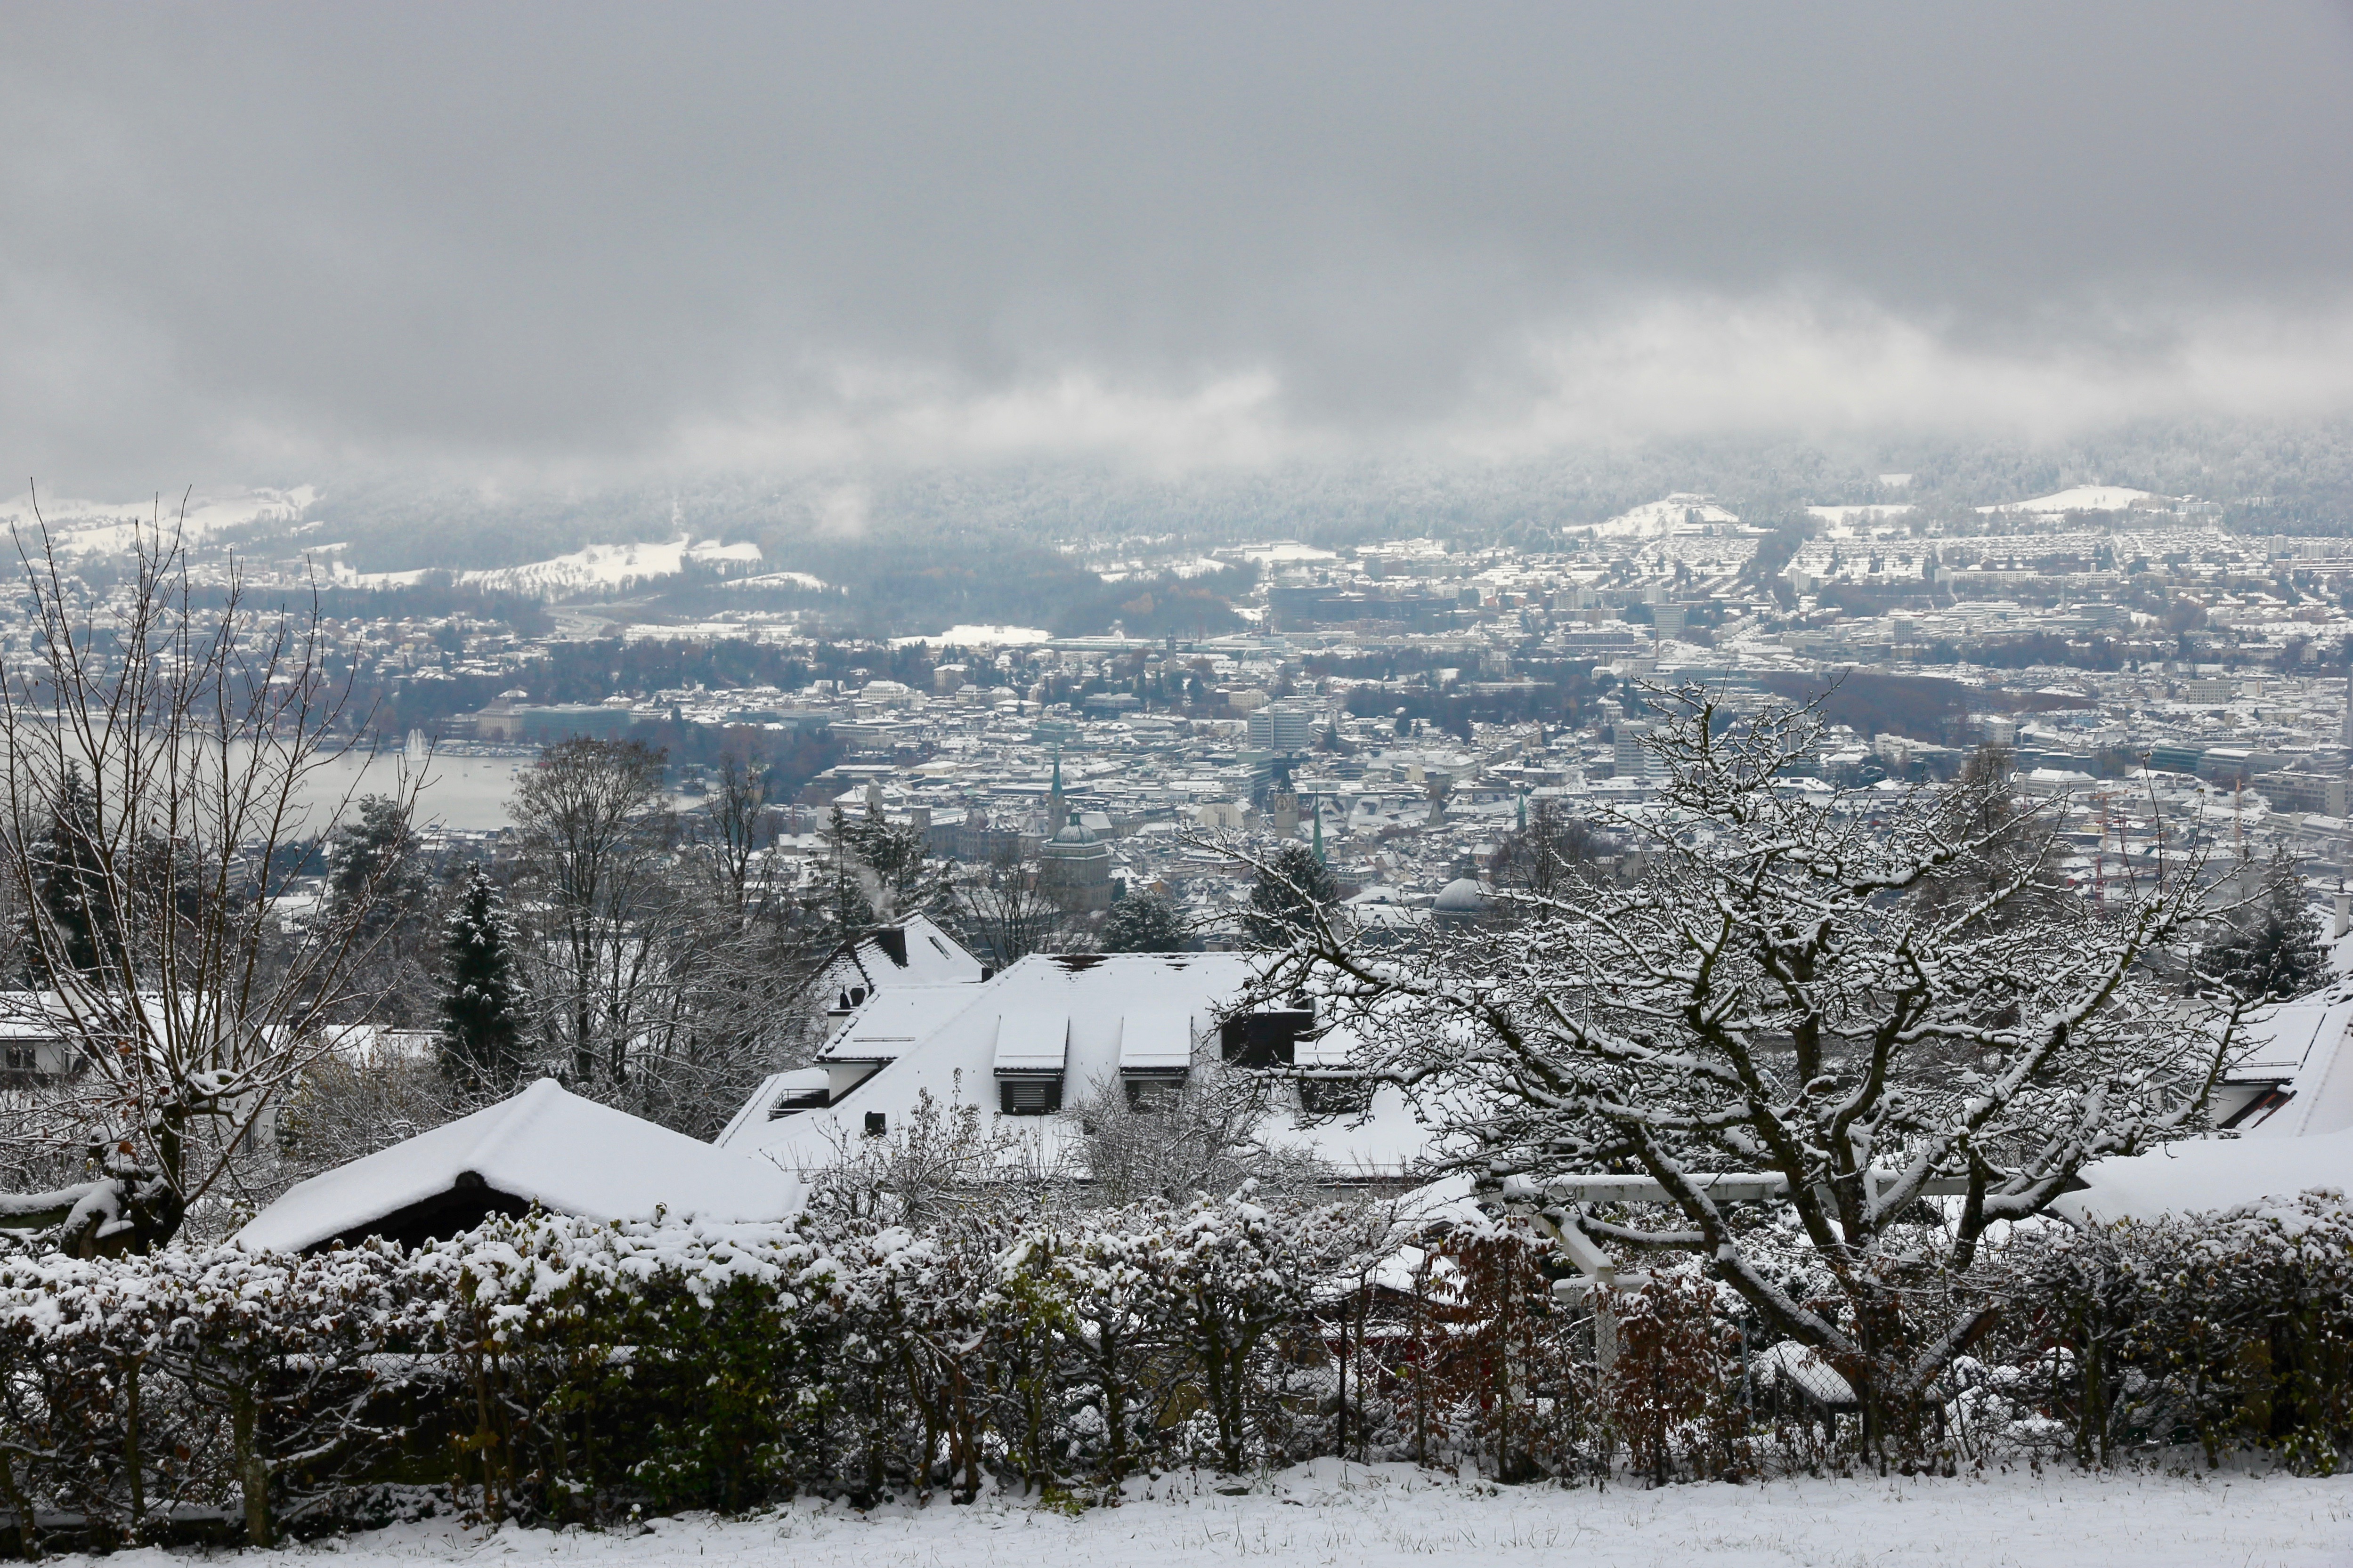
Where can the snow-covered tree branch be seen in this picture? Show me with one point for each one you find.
(1877, 999)
(168, 751)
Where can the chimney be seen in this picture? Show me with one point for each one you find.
(2344, 915)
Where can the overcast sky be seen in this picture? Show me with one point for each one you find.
(247, 241)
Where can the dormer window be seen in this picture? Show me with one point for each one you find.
(1263, 1039)
(1032, 1048)
(1349, 1096)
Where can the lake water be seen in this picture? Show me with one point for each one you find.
(458, 792)
(467, 792)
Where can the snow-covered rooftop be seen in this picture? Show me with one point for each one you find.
(1105, 1013)
(2204, 1174)
(543, 1146)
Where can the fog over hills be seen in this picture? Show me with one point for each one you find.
(2301, 473)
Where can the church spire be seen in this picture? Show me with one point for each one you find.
(1318, 809)
(1057, 813)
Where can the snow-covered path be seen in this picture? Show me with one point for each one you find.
(1391, 1516)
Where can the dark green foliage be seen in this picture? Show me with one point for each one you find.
(2272, 949)
(559, 1369)
(1292, 885)
(879, 872)
(376, 865)
(76, 900)
(1146, 922)
(481, 1005)
(2231, 1332)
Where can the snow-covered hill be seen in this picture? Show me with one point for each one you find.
(106, 528)
(598, 567)
(1656, 519)
(2082, 498)
(779, 580)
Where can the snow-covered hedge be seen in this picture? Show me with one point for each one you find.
(2231, 1330)
(554, 1367)
(561, 1369)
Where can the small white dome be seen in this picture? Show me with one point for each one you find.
(1462, 895)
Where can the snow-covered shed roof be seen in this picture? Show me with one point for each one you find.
(2302, 1046)
(2209, 1174)
(1148, 1014)
(543, 1146)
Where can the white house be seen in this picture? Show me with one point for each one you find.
(915, 951)
(1051, 1033)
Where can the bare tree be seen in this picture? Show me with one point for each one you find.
(167, 750)
(1541, 856)
(665, 966)
(1004, 912)
(727, 837)
(595, 829)
(1196, 1138)
(1771, 1000)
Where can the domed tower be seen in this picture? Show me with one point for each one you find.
(1460, 902)
(1075, 870)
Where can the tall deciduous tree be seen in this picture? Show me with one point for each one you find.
(730, 833)
(1003, 912)
(594, 827)
(1770, 1000)
(167, 764)
(1544, 852)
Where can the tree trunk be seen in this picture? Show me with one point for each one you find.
(134, 1463)
(252, 1468)
(28, 1535)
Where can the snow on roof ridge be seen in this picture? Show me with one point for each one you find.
(523, 1111)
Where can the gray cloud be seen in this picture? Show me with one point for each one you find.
(250, 240)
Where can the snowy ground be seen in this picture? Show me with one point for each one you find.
(1389, 1516)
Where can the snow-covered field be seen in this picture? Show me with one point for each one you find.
(1663, 517)
(1389, 1516)
(980, 636)
(597, 566)
(2082, 498)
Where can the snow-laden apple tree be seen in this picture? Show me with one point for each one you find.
(1791, 991)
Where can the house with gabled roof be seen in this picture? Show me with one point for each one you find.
(916, 950)
(1051, 1031)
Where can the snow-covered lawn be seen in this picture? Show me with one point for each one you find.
(1384, 1515)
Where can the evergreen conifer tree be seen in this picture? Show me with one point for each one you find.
(1288, 888)
(376, 863)
(71, 885)
(2272, 949)
(481, 1005)
(1144, 922)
